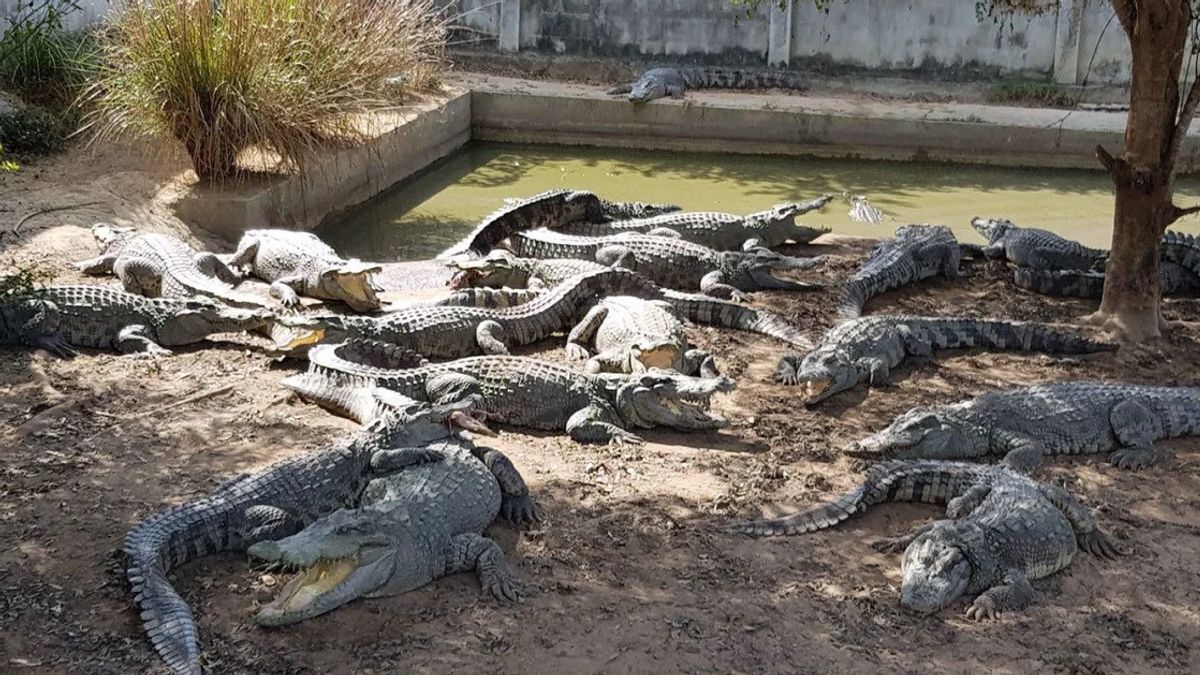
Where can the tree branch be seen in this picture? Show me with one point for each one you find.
(1187, 112)
(1105, 158)
(1126, 11)
(1177, 213)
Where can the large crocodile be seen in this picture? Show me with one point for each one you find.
(1025, 424)
(524, 392)
(412, 526)
(163, 266)
(60, 318)
(1002, 530)
(917, 252)
(720, 231)
(453, 331)
(503, 269)
(1175, 280)
(553, 208)
(1033, 247)
(273, 503)
(672, 263)
(631, 335)
(1182, 249)
(299, 263)
(674, 81)
(869, 347)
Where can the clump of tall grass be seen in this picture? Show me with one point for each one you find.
(287, 76)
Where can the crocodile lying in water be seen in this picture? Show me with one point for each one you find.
(1002, 530)
(298, 263)
(1175, 280)
(672, 263)
(1025, 424)
(163, 266)
(719, 231)
(271, 504)
(916, 252)
(663, 82)
(419, 523)
(522, 391)
(869, 347)
(1032, 247)
(553, 208)
(61, 318)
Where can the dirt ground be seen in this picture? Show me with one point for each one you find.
(628, 573)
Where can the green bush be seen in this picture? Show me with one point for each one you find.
(1029, 92)
(40, 59)
(280, 75)
(31, 130)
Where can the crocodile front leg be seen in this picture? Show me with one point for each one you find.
(621, 89)
(1088, 534)
(616, 255)
(714, 284)
(490, 337)
(211, 265)
(136, 339)
(964, 504)
(243, 258)
(98, 266)
(393, 460)
(1136, 427)
(140, 276)
(1012, 594)
(41, 328)
(1022, 453)
(516, 506)
(467, 552)
(584, 332)
(595, 424)
(284, 290)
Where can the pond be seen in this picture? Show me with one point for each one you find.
(421, 217)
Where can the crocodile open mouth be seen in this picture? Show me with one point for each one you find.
(305, 588)
(462, 279)
(814, 389)
(663, 356)
(300, 337)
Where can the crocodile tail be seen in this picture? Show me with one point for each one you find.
(220, 291)
(542, 210)
(1182, 249)
(712, 311)
(736, 78)
(854, 295)
(1061, 283)
(154, 547)
(634, 210)
(901, 481)
(1015, 335)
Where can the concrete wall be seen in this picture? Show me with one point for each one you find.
(91, 11)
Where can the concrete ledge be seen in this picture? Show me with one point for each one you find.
(408, 141)
(779, 124)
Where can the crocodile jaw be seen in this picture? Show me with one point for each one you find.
(299, 338)
(815, 390)
(664, 356)
(299, 595)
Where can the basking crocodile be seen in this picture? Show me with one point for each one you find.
(720, 231)
(502, 269)
(298, 263)
(452, 331)
(631, 335)
(410, 527)
(1002, 530)
(1025, 424)
(525, 392)
(1182, 249)
(60, 318)
(163, 266)
(1032, 247)
(273, 503)
(662, 82)
(672, 263)
(1175, 280)
(553, 208)
(869, 347)
(917, 252)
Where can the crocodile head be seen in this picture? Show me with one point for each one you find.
(822, 373)
(107, 235)
(199, 318)
(346, 555)
(498, 269)
(778, 224)
(935, 571)
(647, 88)
(755, 268)
(991, 228)
(352, 283)
(923, 433)
(662, 398)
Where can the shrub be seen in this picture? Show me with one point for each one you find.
(281, 75)
(1028, 92)
(31, 130)
(40, 59)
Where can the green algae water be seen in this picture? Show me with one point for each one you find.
(421, 217)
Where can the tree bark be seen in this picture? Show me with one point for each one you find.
(1143, 176)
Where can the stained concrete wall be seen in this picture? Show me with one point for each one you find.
(90, 12)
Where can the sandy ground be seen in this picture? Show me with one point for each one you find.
(628, 573)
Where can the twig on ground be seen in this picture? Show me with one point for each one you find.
(16, 229)
(181, 402)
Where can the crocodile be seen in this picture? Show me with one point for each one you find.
(553, 208)
(1033, 247)
(592, 408)
(163, 266)
(1175, 280)
(298, 263)
(674, 81)
(1025, 424)
(672, 263)
(422, 522)
(631, 335)
(502, 269)
(270, 504)
(61, 318)
(1002, 530)
(917, 252)
(1182, 249)
(456, 330)
(869, 347)
(720, 231)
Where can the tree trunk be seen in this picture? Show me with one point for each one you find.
(1143, 176)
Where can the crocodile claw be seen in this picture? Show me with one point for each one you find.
(983, 609)
(1100, 544)
(890, 544)
(57, 346)
(520, 510)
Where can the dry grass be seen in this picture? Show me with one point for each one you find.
(286, 76)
